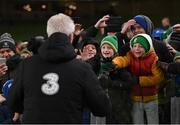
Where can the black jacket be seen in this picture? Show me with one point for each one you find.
(56, 66)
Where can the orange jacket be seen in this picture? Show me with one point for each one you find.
(149, 75)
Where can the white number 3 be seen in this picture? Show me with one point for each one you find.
(51, 87)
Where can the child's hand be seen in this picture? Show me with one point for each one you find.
(127, 25)
(171, 49)
(78, 29)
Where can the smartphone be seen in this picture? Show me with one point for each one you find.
(114, 24)
(2, 60)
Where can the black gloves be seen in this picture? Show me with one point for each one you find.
(107, 64)
(163, 65)
(174, 68)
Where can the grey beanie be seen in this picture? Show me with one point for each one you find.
(6, 41)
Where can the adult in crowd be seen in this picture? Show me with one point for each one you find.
(8, 68)
(53, 86)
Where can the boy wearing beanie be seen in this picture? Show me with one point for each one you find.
(141, 60)
(109, 46)
(117, 84)
(90, 53)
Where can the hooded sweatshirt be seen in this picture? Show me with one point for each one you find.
(52, 87)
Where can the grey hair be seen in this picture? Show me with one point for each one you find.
(60, 23)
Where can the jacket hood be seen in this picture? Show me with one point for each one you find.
(148, 41)
(57, 49)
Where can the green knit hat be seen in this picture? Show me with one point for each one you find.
(177, 56)
(143, 40)
(112, 41)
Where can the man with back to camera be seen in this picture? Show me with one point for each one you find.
(53, 86)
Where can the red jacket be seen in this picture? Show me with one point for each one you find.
(149, 75)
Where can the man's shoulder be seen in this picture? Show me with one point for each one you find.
(80, 63)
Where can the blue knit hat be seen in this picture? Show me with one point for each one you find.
(141, 21)
(145, 23)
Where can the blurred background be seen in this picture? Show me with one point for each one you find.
(27, 18)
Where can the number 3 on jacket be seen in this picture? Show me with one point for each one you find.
(51, 87)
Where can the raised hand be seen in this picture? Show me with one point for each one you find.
(101, 23)
(127, 25)
(78, 29)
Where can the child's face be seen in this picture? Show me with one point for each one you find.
(107, 51)
(90, 49)
(137, 29)
(25, 55)
(138, 50)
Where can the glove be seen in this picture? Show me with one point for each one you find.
(108, 59)
(108, 66)
(163, 65)
(174, 68)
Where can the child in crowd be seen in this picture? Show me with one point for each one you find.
(89, 53)
(117, 84)
(141, 60)
(25, 53)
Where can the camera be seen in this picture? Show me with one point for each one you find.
(114, 24)
(2, 60)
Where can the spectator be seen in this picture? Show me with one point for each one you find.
(8, 70)
(25, 53)
(90, 53)
(117, 84)
(142, 63)
(166, 23)
(8, 51)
